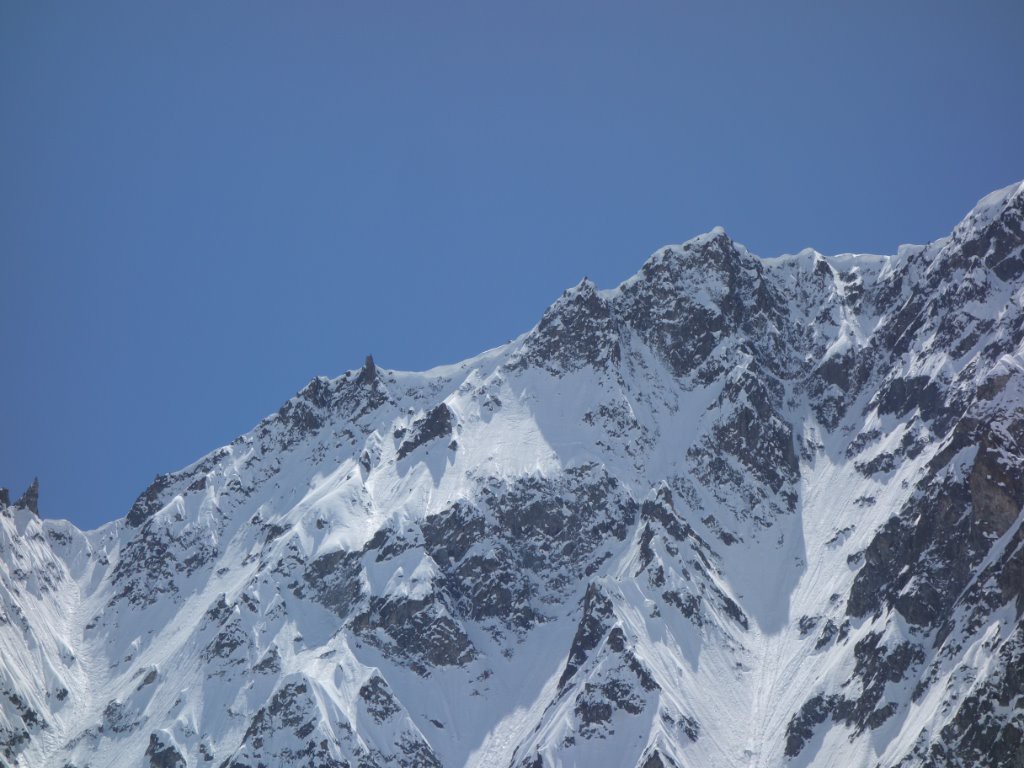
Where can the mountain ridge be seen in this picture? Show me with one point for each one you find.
(726, 474)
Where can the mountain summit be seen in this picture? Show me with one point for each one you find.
(733, 512)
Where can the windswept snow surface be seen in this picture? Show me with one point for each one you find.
(733, 512)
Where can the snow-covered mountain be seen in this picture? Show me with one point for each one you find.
(734, 512)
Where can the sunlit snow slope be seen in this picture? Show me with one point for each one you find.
(734, 512)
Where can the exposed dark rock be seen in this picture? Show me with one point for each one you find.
(334, 580)
(164, 488)
(449, 535)
(368, 374)
(421, 632)
(118, 717)
(22, 722)
(270, 664)
(30, 498)
(903, 394)
(594, 625)
(438, 422)
(162, 754)
(656, 760)
(578, 330)
(828, 632)
(380, 702)
(800, 729)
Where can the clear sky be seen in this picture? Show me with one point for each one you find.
(203, 205)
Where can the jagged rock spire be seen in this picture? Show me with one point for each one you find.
(368, 374)
(30, 498)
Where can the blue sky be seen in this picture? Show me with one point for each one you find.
(202, 206)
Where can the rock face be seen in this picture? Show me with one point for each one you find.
(30, 498)
(734, 512)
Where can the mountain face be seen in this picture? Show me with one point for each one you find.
(734, 512)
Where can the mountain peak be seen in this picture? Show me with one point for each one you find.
(368, 373)
(713, 250)
(715, 236)
(994, 203)
(991, 208)
(30, 498)
(989, 237)
(584, 286)
(576, 330)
